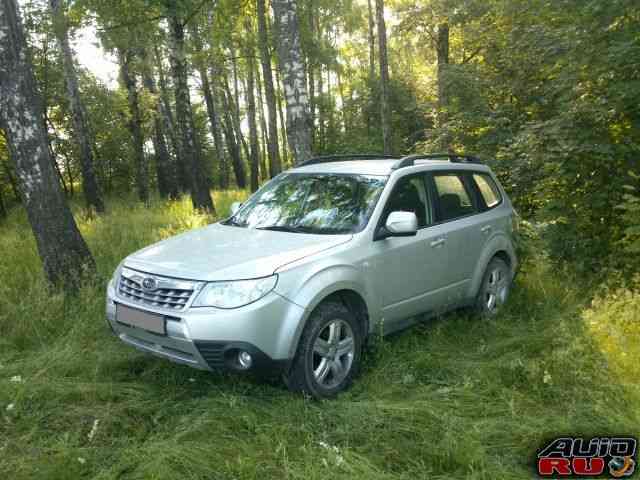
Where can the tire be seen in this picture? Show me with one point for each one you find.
(329, 352)
(494, 289)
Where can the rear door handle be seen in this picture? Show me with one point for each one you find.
(486, 229)
(438, 242)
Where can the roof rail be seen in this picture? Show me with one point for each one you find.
(410, 160)
(346, 157)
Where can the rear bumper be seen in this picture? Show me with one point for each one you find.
(211, 339)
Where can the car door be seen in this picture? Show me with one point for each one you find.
(456, 212)
(409, 271)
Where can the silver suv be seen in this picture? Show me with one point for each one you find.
(322, 257)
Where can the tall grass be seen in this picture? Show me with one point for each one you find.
(458, 397)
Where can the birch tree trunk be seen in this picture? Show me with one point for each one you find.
(372, 60)
(264, 171)
(372, 45)
(217, 96)
(64, 253)
(275, 166)
(209, 99)
(254, 158)
(443, 97)
(283, 125)
(135, 125)
(233, 141)
(194, 171)
(385, 110)
(293, 78)
(81, 129)
(233, 103)
(165, 169)
(168, 119)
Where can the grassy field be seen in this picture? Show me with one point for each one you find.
(458, 397)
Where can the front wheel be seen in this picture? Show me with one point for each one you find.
(495, 288)
(329, 352)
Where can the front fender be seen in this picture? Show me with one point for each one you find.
(497, 243)
(307, 288)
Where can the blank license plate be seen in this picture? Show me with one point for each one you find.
(138, 318)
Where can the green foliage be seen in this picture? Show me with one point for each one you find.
(552, 96)
(630, 207)
(613, 322)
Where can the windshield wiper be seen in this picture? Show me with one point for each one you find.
(282, 228)
(233, 222)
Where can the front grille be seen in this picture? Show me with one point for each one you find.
(212, 352)
(169, 293)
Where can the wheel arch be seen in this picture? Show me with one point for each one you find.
(499, 246)
(349, 294)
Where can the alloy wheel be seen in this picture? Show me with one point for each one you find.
(333, 353)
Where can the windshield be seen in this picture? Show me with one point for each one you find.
(312, 203)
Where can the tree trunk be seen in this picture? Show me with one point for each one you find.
(310, 66)
(135, 125)
(254, 158)
(209, 99)
(3, 209)
(293, 77)
(343, 101)
(233, 143)
(233, 102)
(193, 168)
(169, 122)
(217, 97)
(214, 118)
(264, 171)
(283, 126)
(167, 184)
(165, 168)
(64, 253)
(81, 130)
(312, 101)
(321, 109)
(372, 45)
(443, 98)
(275, 166)
(372, 60)
(45, 117)
(385, 110)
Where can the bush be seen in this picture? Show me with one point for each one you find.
(614, 321)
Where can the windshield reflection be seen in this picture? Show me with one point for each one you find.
(312, 203)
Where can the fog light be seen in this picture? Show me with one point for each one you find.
(245, 360)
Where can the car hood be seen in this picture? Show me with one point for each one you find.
(221, 252)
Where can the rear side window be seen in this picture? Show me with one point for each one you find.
(488, 189)
(454, 200)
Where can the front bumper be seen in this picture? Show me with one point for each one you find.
(211, 339)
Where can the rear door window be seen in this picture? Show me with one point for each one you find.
(488, 189)
(454, 198)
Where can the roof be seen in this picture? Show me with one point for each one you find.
(382, 166)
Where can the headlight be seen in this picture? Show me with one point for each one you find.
(236, 293)
(114, 278)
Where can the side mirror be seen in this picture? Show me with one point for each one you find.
(235, 206)
(400, 224)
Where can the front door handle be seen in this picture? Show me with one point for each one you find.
(486, 229)
(438, 242)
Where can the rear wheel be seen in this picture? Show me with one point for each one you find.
(495, 287)
(329, 352)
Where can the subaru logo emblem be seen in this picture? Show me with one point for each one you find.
(149, 284)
